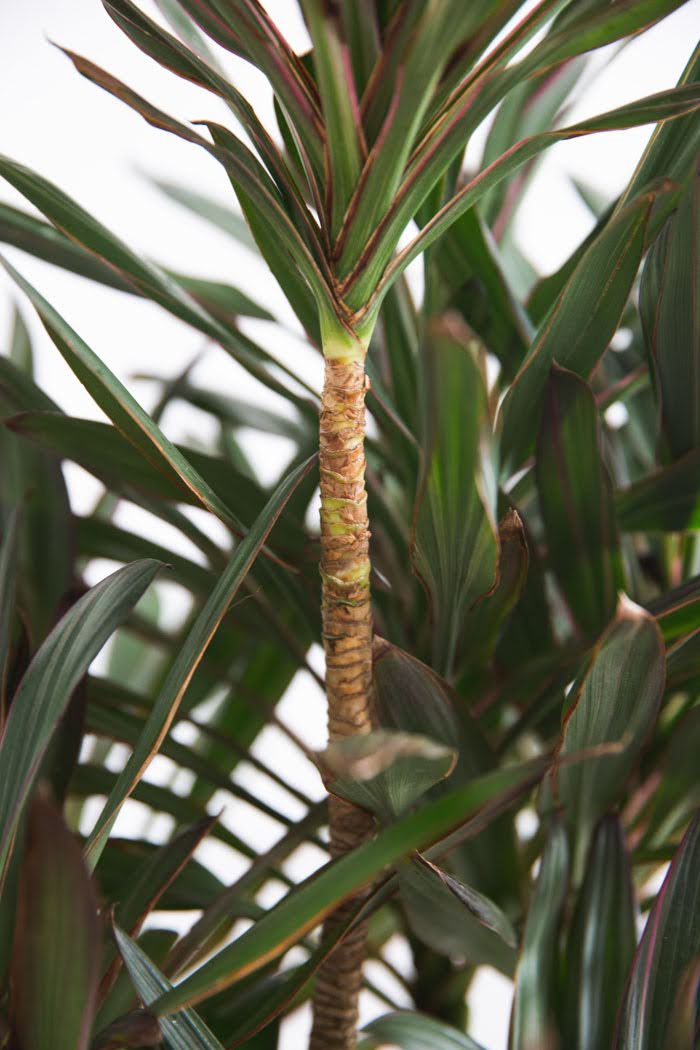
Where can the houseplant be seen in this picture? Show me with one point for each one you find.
(534, 607)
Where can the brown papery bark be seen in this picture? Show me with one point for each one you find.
(347, 637)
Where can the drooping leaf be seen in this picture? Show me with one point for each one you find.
(312, 900)
(385, 771)
(455, 919)
(614, 701)
(115, 400)
(56, 952)
(188, 658)
(576, 501)
(46, 688)
(109, 455)
(601, 942)
(412, 698)
(670, 942)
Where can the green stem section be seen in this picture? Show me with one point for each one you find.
(347, 638)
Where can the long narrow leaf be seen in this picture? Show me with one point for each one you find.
(47, 686)
(187, 660)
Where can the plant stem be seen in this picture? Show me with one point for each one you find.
(347, 638)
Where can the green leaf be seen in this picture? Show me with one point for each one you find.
(185, 1032)
(670, 943)
(386, 771)
(38, 238)
(8, 578)
(472, 272)
(666, 501)
(161, 869)
(106, 453)
(369, 282)
(47, 686)
(579, 326)
(35, 482)
(455, 919)
(218, 215)
(312, 900)
(455, 540)
(412, 698)
(414, 1031)
(21, 354)
(339, 103)
(614, 701)
(530, 107)
(671, 150)
(124, 411)
(601, 942)
(187, 659)
(125, 859)
(576, 501)
(247, 29)
(56, 949)
(533, 1024)
(486, 618)
(242, 167)
(678, 794)
(421, 64)
(222, 301)
(677, 611)
(139, 1028)
(670, 308)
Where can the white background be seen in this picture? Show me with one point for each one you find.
(99, 152)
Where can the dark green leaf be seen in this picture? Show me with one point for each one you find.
(386, 771)
(578, 328)
(533, 1024)
(311, 901)
(665, 501)
(671, 941)
(56, 952)
(670, 308)
(601, 942)
(456, 545)
(614, 701)
(139, 1028)
(48, 684)
(188, 658)
(413, 1031)
(678, 794)
(455, 919)
(576, 501)
(187, 1031)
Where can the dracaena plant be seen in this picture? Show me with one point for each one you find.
(516, 637)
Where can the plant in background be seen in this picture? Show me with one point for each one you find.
(546, 637)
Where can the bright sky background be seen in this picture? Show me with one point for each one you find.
(98, 151)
